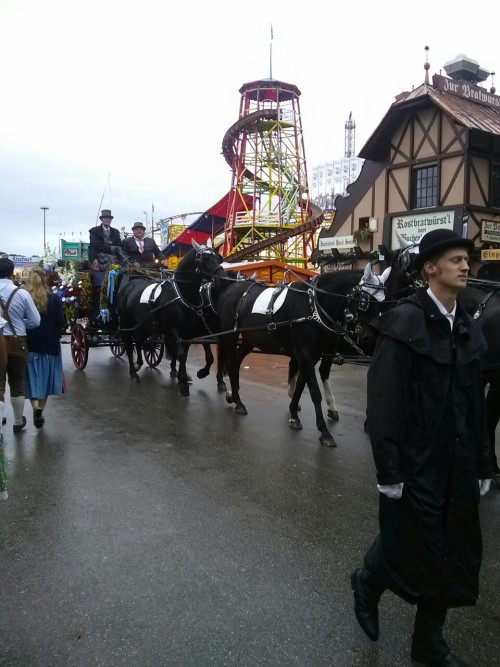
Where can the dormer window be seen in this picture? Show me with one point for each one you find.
(425, 186)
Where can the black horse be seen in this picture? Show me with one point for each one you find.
(369, 287)
(302, 320)
(173, 308)
(481, 299)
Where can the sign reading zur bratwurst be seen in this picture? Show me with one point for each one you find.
(490, 231)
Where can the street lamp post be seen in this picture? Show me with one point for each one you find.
(44, 208)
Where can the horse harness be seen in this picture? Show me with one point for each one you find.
(317, 313)
(494, 288)
(204, 290)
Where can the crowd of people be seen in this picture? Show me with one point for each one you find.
(30, 329)
(32, 322)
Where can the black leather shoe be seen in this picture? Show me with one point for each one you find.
(38, 419)
(434, 655)
(449, 660)
(365, 605)
(19, 427)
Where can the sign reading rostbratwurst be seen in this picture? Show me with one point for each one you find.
(336, 242)
(413, 227)
(466, 90)
(490, 231)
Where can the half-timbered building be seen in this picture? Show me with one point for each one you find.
(433, 161)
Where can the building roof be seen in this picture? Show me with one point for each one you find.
(475, 114)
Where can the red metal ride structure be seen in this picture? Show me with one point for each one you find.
(270, 215)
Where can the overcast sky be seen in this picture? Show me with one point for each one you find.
(132, 99)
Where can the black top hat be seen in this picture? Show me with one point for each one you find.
(136, 225)
(436, 242)
(105, 213)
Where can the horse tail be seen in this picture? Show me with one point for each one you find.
(169, 351)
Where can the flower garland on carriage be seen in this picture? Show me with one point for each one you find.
(73, 288)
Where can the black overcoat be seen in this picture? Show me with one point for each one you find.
(98, 243)
(426, 416)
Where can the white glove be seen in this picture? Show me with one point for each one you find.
(484, 486)
(394, 491)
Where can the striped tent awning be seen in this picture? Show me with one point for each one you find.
(209, 225)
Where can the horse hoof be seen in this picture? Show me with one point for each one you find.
(295, 424)
(327, 441)
(202, 373)
(221, 386)
(333, 415)
(241, 410)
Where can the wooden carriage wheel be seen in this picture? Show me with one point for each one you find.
(153, 351)
(79, 346)
(116, 346)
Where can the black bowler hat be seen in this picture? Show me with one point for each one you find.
(136, 225)
(106, 213)
(436, 242)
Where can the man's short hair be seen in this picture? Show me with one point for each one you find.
(6, 267)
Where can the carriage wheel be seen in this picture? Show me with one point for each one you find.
(153, 352)
(116, 346)
(79, 347)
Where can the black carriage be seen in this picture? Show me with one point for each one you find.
(86, 332)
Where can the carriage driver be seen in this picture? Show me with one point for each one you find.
(103, 250)
(141, 249)
(427, 424)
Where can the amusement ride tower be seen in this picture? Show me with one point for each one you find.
(269, 215)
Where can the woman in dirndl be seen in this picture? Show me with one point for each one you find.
(44, 373)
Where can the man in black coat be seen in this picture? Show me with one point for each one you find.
(139, 248)
(104, 240)
(103, 250)
(427, 421)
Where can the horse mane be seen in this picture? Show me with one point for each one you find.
(187, 260)
(341, 281)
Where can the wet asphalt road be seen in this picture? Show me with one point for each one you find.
(147, 529)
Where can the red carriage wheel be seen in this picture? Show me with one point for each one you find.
(79, 347)
(116, 346)
(153, 351)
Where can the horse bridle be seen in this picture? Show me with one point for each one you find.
(346, 329)
(412, 283)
